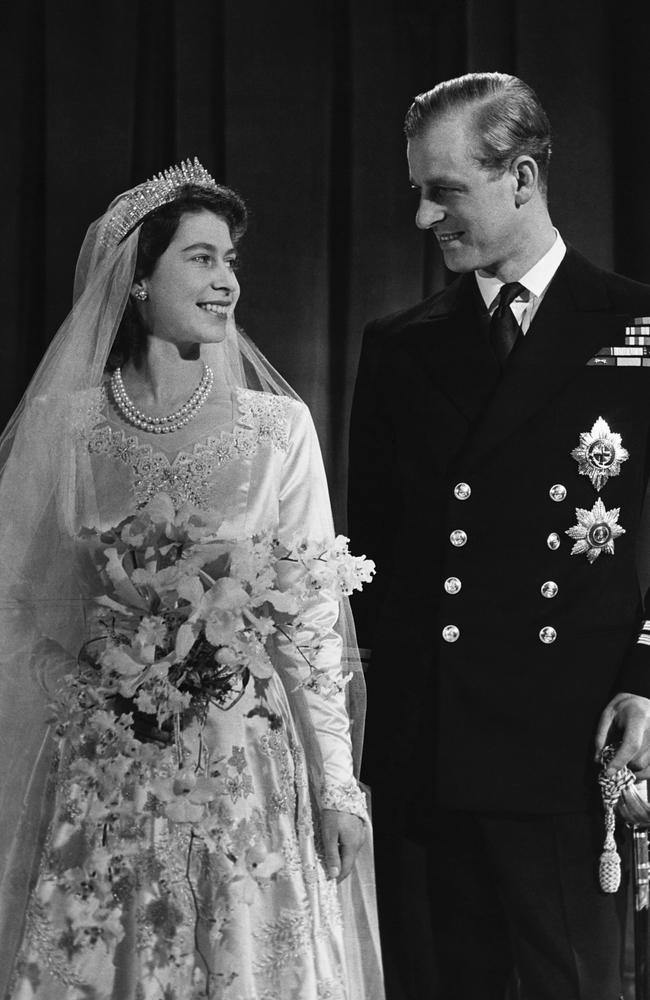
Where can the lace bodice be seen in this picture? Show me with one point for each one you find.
(261, 419)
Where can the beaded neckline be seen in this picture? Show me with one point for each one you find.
(260, 419)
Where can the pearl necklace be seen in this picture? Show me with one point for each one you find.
(161, 425)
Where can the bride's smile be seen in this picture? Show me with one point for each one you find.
(193, 290)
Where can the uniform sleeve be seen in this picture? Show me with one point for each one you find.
(634, 677)
(372, 437)
(305, 512)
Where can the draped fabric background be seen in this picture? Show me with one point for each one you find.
(300, 107)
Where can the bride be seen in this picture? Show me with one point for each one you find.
(151, 407)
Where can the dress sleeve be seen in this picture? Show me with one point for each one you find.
(305, 512)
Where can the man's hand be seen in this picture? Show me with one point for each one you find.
(627, 720)
(343, 836)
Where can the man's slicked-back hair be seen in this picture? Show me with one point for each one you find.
(508, 119)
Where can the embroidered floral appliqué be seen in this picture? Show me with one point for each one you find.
(344, 798)
(283, 938)
(87, 409)
(330, 989)
(263, 418)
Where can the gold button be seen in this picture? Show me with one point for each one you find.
(549, 589)
(557, 492)
(548, 634)
(450, 633)
(458, 537)
(452, 585)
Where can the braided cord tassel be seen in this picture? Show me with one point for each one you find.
(611, 788)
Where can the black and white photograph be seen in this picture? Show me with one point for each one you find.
(324, 500)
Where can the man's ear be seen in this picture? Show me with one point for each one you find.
(526, 173)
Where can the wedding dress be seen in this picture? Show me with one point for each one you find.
(252, 915)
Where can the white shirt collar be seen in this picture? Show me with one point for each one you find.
(536, 280)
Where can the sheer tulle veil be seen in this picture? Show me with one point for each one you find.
(44, 481)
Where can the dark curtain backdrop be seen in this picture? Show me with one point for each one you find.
(299, 106)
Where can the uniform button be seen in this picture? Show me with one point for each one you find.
(458, 537)
(549, 589)
(462, 491)
(557, 492)
(450, 633)
(452, 585)
(548, 634)
(553, 541)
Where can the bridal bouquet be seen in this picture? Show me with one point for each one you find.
(184, 622)
(186, 619)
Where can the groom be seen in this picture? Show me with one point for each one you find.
(499, 462)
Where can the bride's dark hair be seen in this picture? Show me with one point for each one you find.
(156, 233)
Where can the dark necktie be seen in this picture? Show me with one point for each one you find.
(504, 329)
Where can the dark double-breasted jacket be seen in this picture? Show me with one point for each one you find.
(495, 646)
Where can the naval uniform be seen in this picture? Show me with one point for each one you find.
(502, 508)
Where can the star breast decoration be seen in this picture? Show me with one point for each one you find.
(595, 531)
(599, 454)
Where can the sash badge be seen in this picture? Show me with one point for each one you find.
(595, 531)
(599, 454)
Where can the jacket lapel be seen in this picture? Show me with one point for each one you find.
(571, 325)
(449, 341)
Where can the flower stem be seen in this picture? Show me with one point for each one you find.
(178, 740)
(279, 629)
(197, 945)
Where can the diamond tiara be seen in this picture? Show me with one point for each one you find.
(135, 204)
